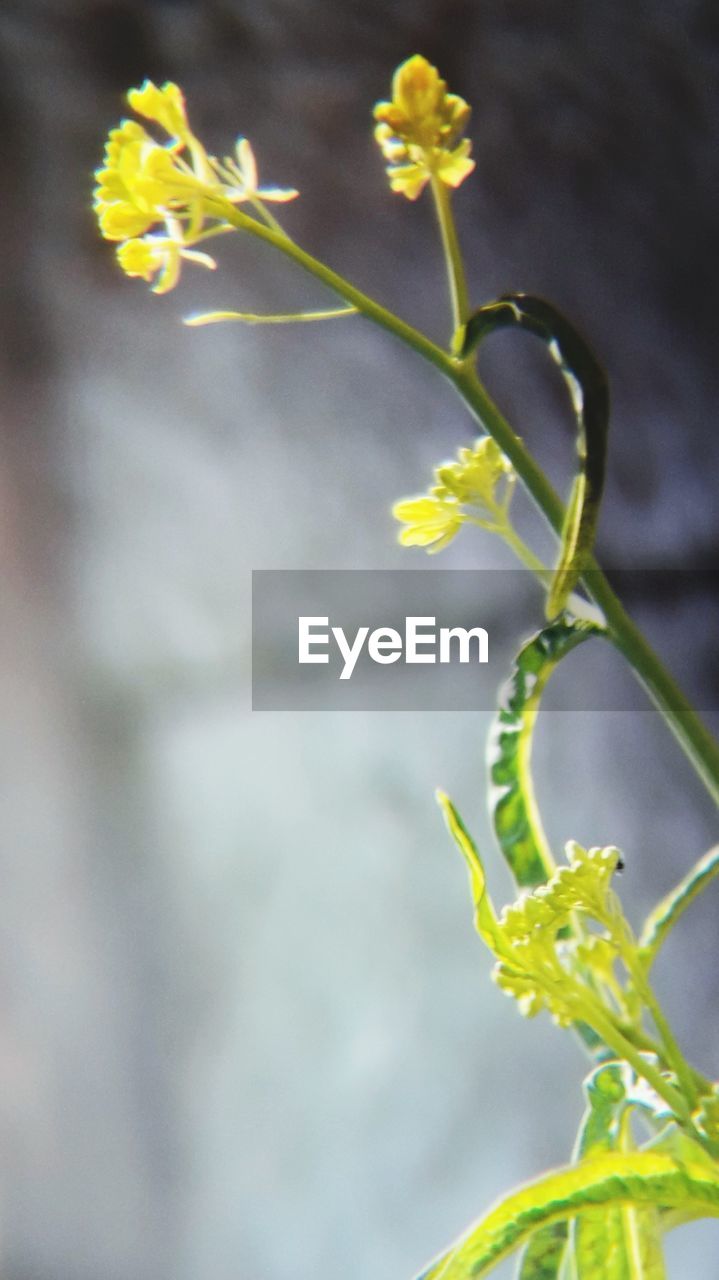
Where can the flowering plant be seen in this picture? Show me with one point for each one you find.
(647, 1154)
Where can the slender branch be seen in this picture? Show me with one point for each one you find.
(452, 253)
(672, 1053)
(611, 1036)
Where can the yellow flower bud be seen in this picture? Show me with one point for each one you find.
(419, 131)
(165, 106)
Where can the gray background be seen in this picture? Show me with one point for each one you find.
(246, 1030)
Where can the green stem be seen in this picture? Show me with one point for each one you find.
(526, 556)
(452, 253)
(612, 1037)
(672, 1053)
(639, 1038)
(692, 735)
(267, 217)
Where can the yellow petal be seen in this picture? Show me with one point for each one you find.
(164, 106)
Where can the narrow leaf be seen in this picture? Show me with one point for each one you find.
(667, 912)
(247, 317)
(589, 393)
(485, 918)
(639, 1178)
(515, 814)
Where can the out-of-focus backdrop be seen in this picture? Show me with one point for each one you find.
(246, 1030)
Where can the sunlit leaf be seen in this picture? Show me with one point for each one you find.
(621, 1242)
(640, 1178)
(515, 814)
(589, 393)
(667, 912)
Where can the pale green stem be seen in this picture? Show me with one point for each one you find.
(526, 556)
(452, 254)
(692, 735)
(268, 217)
(600, 1021)
(674, 1057)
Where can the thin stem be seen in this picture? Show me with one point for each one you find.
(267, 216)
(508, 534)
(674, 1057)
(613, 1037)
(411, 337)
(693, 736)
(452, 253)
(526, 556)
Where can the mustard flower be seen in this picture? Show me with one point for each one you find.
(123, 209)
(161, 256)
(419, 131)
(431, 522)
(165, 106)
(474, 478)
(238, 175)
(475, 489)
(160, 199)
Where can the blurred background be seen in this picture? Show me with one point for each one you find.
(246, 1029)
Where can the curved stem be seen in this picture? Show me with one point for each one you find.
(452, 254)
(692, 735)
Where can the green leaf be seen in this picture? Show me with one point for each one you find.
(667, 912)
(543, 1257)
(485, 917)
(639, 1178)
(612, 1089)
(589, 392)
(576, 543)
(621, 1242)
(515, 814)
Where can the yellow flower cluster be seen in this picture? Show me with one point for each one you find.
(536, 963)
(533, 964)
(475, 489)
(159, 200)
(420, 130)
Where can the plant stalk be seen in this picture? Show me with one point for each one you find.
(456, 277)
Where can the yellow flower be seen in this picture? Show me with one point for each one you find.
(431, 522)
(165, 106)
(122, 209)
(159, 200)
(238, 175)
(420, 130)
(467, 490)
(474, 478)
(158, 255)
